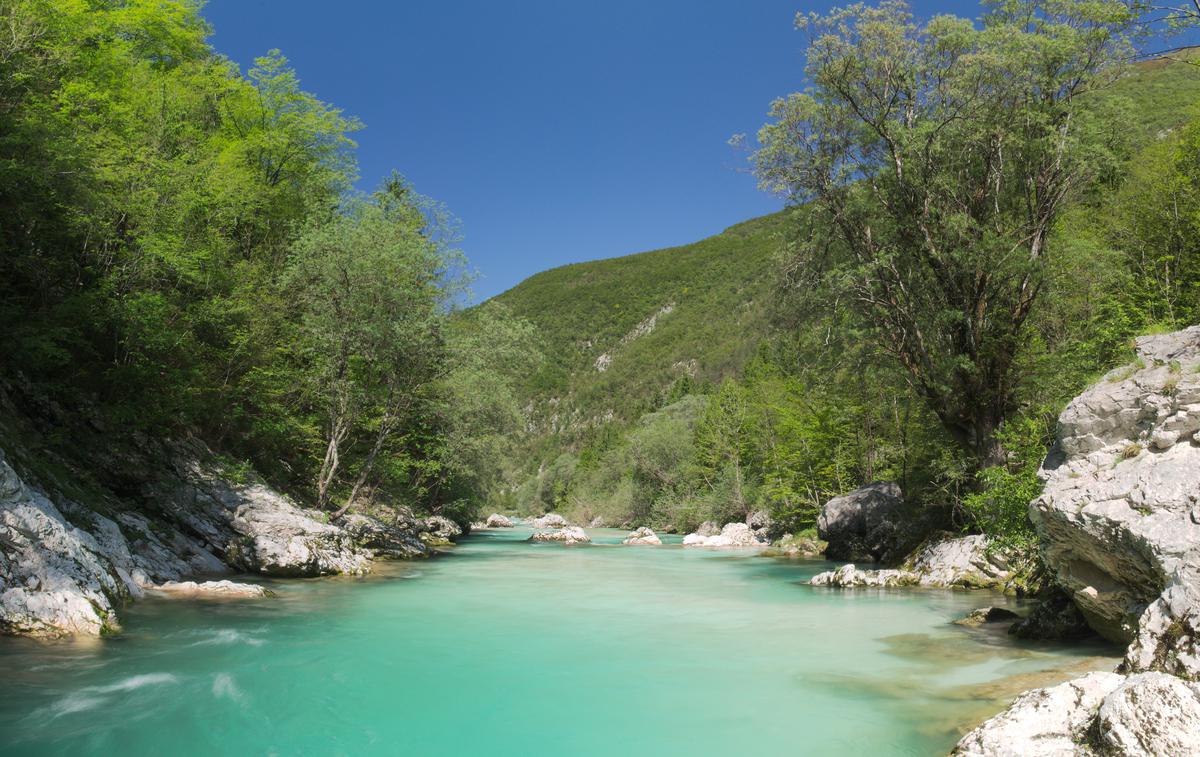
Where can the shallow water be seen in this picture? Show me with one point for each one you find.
(510, 648)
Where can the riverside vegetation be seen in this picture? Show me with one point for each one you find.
(219, 356)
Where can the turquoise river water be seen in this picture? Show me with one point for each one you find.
(510, 648)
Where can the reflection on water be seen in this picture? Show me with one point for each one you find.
(510, 648)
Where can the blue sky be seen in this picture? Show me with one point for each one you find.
(556, 131)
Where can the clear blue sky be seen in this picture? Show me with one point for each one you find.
(556, 131)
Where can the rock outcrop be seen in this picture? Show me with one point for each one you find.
(732, 535)
(1143, 715)
(643, 535)
(496, 520)
(54, 577)
(569, 535)
(1119, 525)
(967, 562)
(1119, 518)
(66, 568)
(869, 524)
(1050, 721)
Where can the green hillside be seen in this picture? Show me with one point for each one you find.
(619, 332)
(624, 336)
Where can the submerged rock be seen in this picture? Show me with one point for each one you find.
(549, 520)
(496, 520)
(869, 523)
(1054, 618)
(643, 535)
(985, 615)
(732, 535)
(218, 589)
(569, 535)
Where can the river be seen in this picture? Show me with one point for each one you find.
(509, 648)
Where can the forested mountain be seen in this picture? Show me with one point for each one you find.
(773, 406)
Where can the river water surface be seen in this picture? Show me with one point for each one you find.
(511, 648)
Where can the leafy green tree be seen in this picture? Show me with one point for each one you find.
(369, 287)
(937, 158)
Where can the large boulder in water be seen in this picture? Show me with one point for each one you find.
(496, 520)
(643, 535)
(568, 536)
(965, 562)
(732, 535)
(1119, 518)
(869, 523)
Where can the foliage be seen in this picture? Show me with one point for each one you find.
(182, 248)
(937, 158)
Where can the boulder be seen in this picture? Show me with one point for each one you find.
(643, 535)
(708, 528)
(969, 562)
(791, 545)
(398, 540)
(1148, 715)
(987, 615)
(496, 520)
(549, 520)
(761, 523)
(212, 589)
(732, 535)
(1119, 518)
(1049, 721)
(570, 535)
(441, 529)
(866, 524)
(1099, 714)
(276, 538)
(849, 576)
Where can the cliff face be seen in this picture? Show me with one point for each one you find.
(1119, 525)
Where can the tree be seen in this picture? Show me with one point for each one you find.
(369, 284)
(937, 158)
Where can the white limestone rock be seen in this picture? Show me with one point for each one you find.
(735, 535)
(1119, 518)
(643, 535)
(570, 535)
(496, 520)
(212, 589)
(1049, 722)
(550, 520)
